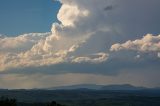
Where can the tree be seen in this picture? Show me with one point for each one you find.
(4, 101)
(53, 103)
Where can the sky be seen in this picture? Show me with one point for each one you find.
(46, 43)
(25, 16)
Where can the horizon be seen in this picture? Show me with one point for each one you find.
(89, 87)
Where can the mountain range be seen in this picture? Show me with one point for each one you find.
(99, 87)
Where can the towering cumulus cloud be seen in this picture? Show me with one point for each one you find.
(77, 25)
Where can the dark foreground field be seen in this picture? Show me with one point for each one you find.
(82, 97)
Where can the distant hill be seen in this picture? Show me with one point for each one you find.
(122, 87)
(99, 87)
(93, 87)
(80, 86)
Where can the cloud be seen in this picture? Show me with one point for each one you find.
(95, 58)
(84, 35)
(147, 44)
(71, 41)
(40, 54)
(20, 43)
(62, 44)
(72, 15)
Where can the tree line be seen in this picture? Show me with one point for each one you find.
(5, 101)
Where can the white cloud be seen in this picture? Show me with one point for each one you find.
(69, 14)
(79, 21)
(77, 25)
(147, 44)
(20, 43)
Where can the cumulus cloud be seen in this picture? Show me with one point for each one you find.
(77, 25)
(147, 44)
(71, 41)
(42, 53)
(72, 15)
(20, 43)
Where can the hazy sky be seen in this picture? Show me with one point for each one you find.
(46, 43)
